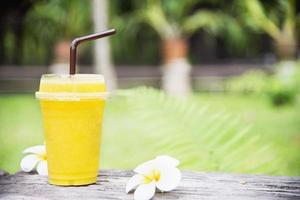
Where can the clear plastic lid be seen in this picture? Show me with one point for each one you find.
(72, 87)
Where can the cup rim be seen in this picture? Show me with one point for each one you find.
(75, 96)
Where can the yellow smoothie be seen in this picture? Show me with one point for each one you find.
(72, 109)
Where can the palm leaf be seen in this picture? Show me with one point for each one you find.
(289, 24)
(154, 16)
(203, 19)
(177, 11)
(214, 22)
(151, 14)
(151, 123)
(255, 16)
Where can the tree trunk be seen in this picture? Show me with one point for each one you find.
(60, 64)
(102, 49)
(286, 48)
(176, 68)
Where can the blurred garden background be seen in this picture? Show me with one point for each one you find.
(213, 83)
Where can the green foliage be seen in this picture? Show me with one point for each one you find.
(278, 21)
(279, 88)
(284, 85)
(50, 21)
(163, 19)
(64, 18)
(174, 19)
(280, 93)
(154, 123)
(131, 39)
(254, 81)
(296, 78)
(227, 133)
(256, 17)
(213, 21)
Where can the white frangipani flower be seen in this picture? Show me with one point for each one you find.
(36, 159)
(161, 173)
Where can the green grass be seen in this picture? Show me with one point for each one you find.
(277, 126)
(208, 132)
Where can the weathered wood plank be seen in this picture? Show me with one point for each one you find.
(194, 185)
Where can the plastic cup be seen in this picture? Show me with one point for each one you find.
(72, 108)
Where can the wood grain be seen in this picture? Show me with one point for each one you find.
(194, 185)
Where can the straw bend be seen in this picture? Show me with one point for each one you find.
(79, 40)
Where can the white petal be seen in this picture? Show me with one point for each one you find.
(145, 191)
(169, 179)
(134, 182)
(42, 168)
(167, 160)
(29, 162)
(39, 149)
(145, 168)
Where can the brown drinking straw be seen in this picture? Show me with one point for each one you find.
(78, 40)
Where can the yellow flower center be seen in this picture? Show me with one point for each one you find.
(153, 176)
(43, 156)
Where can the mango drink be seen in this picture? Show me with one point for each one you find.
(72, 108)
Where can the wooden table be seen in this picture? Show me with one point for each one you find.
(194, 185)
